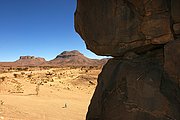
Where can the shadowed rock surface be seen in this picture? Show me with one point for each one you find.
(135, 89)
(113, 27)
(142, 81)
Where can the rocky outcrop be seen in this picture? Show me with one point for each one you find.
(113, 27)
(135, 88)
(75, 58)
(142, 81)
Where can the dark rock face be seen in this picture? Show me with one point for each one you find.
(171, 60)
(135, 89)
(113, 27)
(142, 81)
(175, 8)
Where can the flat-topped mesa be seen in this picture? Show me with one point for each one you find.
(114, 27)
(30, 60)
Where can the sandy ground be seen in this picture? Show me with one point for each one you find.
(53, 94)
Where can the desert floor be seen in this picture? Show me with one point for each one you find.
(46, 94)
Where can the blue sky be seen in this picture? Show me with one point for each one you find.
(42, 28)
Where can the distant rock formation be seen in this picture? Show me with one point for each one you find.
(68, 54)
(30, 61)
(66, 58)
(75, 58)
(142, 81)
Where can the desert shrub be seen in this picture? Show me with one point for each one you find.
(16, 75)
(2, 79)
(10, 69)
(1, 102)
(51, 80)
(19, 88)
(29, 76)
(26, 69)
(19, 69)
(45, 81)
(22, 73)
(59, 77)
(49, 74)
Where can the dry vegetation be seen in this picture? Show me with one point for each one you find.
(44, 93)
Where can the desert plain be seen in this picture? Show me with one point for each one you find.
(46, 93)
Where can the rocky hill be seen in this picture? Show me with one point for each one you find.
(75, 58)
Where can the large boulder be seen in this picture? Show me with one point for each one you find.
(135, 89)
(113, 27)
(142, 81)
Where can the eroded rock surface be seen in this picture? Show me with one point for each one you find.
(135, 89)
(172, 60)
(113, 27)
(142, 81)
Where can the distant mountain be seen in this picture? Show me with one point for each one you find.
(66, 58)
(30, 61)
(75, 58)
